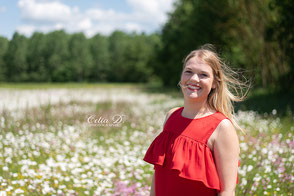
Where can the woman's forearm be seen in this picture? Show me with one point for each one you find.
(152, 192)
(227, 193)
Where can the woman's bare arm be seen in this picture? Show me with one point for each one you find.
(152, 192)
(226, 154)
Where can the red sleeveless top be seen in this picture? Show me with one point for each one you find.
(183, 163)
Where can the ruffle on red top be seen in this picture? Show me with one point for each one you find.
(193, 159)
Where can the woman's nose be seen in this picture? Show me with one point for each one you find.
(195, 78)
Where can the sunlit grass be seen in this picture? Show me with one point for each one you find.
(51, 149)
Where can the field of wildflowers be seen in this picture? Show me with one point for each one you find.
(48, 145)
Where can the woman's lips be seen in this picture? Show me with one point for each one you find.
(193, 87)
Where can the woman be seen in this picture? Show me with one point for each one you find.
(198, 150)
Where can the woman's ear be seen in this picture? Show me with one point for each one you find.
(214, 85)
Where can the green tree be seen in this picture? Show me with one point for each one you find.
(248, 45)
(57, 57)
(130, 56)
(137, 57)
(282, 31)
(15, 59)
(36, 70)
(191, 24)
(118, 42)
(3, 47)
(237, 28)
(80, 57)
(101, 56)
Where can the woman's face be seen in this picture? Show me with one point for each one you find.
(198, 78)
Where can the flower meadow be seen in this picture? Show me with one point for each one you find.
(49, 147)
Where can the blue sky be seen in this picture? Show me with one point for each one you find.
(88, 16)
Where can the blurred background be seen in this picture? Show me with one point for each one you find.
(62, 61)
(135, 41)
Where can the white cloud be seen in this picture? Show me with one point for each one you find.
(152, 9)
(26, 29)
(133, 27)
(85, 24)
(107, 16)
(45, 15)
(45, 11)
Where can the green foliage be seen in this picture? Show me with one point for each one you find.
(3, 48)
(130, 56)
(257, 36)
(80, 60)
(262, 57)
(36, 58)
(117, 46)
(239, 30)
(101, 56)
(60, 57)
(192, 24)
(282, 31)
(15, 59)
(264, 101)
(57, 57)
(136, 58)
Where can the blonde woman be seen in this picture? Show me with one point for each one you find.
(197, 153)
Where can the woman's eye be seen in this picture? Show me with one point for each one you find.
(187, 71)
(204, 75)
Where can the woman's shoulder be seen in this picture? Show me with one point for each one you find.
(226, 127)
(226, 132)
(169, 113)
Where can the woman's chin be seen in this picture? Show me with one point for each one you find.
(194, 95)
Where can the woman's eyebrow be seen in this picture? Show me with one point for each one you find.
(206, 72)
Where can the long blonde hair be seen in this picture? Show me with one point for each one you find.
(228, 89)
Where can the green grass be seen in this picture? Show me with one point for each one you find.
(127, 144)
(265, 101)
(261, 100)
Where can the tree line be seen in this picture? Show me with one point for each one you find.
(61, 57)
(257, 36)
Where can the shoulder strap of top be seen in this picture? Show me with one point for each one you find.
(172, 113)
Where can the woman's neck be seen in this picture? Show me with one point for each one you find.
(196, 109)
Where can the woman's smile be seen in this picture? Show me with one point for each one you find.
(193, 88)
